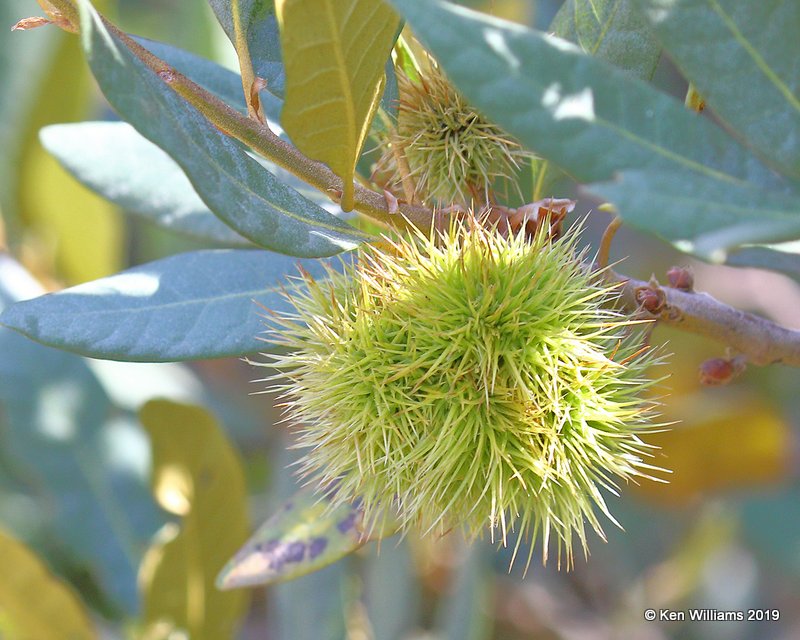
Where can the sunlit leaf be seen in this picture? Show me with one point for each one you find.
(334, 53)
(304, 536)
(611, 30)
(742, 56)
(202, 304)
(232, 184)
(34, 604)
(584, 115)
(198, 477)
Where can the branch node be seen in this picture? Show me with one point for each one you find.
(681, 278)
(721, 371)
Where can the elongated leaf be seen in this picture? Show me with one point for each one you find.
(233, 185)
(82, 460)
(742, 56)
(114, 160)
(334, 52)
(222, 82)
(256, 20)
(707, 218)
(197, 476)
(33, 602)
(612, 30)
(304, 536)
(584, 115)
(203, 304)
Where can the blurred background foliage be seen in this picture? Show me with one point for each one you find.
(90, 551)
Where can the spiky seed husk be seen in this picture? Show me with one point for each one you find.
(454, 154)
(467, 380)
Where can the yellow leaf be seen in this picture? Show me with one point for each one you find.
(334, 53)
(34, 604)
(85, 230)
(723, 440)
(196, 475)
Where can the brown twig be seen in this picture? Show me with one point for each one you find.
(760, 340)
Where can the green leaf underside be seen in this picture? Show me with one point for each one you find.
(258, 23)
(80, 463)
(114, 160)
(234, 186)
(198, 476)
(707, 218)
(202, 304)
(305, 535)
(585, 116)
(611, 30)
(222, 82)
(334, 52)
(742, 56)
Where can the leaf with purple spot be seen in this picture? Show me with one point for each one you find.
(303, 536)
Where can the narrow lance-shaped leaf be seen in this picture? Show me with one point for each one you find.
(304, 536)
(233, 185)
(334, 52)
(742, 56)
(198, 477)
(202, 304)
(222, 82)
(33, 602)
(582, 114)
(112, 159)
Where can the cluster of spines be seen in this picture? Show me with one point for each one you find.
(467, 380)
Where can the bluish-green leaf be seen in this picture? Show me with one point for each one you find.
(263, 38)
(83, 461)
(612, 30)
(587, 117)
(203, 304)
(222, 82)
(114, 160)
(742, 56)
(233, 185)
(773, 257)
(706, 217)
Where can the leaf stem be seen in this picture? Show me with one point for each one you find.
(261, 139)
